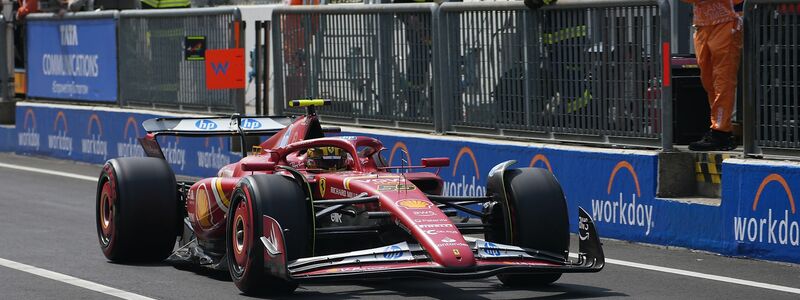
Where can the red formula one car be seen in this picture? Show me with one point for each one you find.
(303, 207)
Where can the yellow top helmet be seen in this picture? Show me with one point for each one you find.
(326, 158)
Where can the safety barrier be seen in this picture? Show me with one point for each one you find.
(589, 71)
(155, 71)
(374, 61)
(771, 96)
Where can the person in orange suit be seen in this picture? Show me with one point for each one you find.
(27, 7)
(718, 45)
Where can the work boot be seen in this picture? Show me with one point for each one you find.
(714, 141)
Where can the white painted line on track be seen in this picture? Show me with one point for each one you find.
(700, 275)
(608, 260)
(49, 172)
(71, 280)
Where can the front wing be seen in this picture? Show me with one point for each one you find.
(411, 260)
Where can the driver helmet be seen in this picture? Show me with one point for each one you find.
(326, 158)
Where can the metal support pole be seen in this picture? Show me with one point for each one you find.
(7, 107)
(265, 68)
(666, 86)
(257, 66)
(277, 48)
(748, 105)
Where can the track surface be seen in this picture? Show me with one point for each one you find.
(48, 222)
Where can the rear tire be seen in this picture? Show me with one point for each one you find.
(282, 199)
(538, 211)
(136, 209)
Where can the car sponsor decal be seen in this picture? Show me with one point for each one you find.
(396, 187)
(336, 217)
(250, 124)
(371, 179)
(414, 204)
(490, 249)
(424, 213)
(205, 124)
(322, 187)
(437, 231)
(437, 220)
(450, 242)
(392, 252)
(435, 225)
(343, 193)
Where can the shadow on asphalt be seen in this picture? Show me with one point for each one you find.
(478, 289)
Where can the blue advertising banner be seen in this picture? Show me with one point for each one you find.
(761, 218)
(73, 59)
(616, 188)
(95, 135)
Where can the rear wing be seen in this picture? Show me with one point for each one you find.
(235, 125)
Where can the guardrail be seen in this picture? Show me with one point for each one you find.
(154, 71)
(589, 71)
(374, 61)
(771, 96)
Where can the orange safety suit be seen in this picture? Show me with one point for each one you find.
(27, 7)
(718, 45)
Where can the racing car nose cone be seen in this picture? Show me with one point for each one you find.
(451, 250)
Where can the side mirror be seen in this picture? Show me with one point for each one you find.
(250, 165)
(436, 162)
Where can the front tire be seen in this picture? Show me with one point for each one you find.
(136, 209)
(537, 209)
(282, 199)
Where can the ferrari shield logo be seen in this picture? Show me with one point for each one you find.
(322, 187)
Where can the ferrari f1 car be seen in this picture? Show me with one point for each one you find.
(304, 207)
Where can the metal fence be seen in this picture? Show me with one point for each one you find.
(579, 70)
(153, 69)
(772, 78)
(373, 61)
(589, 71)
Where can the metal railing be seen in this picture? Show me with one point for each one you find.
(589, 71)
(373, 61)
(153, 70)
(771, 79)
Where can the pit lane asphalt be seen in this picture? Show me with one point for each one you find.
(47, 221)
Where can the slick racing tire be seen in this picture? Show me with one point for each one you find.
(136, 209)
(538, 211)
(283, 200)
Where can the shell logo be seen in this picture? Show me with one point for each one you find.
(203, 211)
(414, 203)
